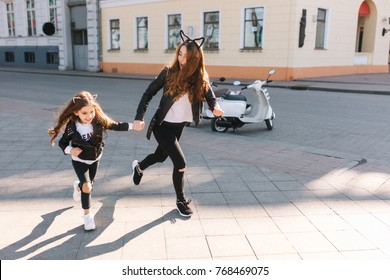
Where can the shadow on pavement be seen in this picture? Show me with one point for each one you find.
(104, 217)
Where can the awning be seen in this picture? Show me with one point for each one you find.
(364, 9)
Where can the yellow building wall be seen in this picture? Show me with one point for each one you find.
(280, 37)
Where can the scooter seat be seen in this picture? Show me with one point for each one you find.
(234, 97)
(221, 92)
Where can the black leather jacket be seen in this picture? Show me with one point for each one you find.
(167, 101)
(92, 148)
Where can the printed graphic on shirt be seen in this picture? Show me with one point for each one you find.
(87, 136)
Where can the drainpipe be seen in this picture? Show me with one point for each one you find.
(99, 39)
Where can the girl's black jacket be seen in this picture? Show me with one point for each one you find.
(92, 148)
(167, 101)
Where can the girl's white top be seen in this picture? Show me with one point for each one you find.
(180, 111)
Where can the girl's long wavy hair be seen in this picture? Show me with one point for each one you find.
(193, 78)
(79, 100)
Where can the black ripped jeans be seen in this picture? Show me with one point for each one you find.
(168, 135)
(85, 173)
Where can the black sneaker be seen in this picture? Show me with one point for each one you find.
(137, 173)
(183, 208)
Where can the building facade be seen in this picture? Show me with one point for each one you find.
(50, 34)
(244, 39)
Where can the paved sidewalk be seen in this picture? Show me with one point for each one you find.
(267, 202)
(361, 83)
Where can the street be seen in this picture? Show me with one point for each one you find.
(356, 124)
(304, 191)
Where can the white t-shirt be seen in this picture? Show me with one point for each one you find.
(181, 111)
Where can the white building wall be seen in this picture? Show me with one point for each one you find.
(62, 38)
(42, 16)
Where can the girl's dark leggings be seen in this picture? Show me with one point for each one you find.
(168, 136)
(85, 173)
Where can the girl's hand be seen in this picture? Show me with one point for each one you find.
(75, 152)
(50, 131)
(218, 112)
(138, 125)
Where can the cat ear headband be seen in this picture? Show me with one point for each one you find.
(185, 38)
(75, 98)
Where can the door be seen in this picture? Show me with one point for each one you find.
(80, 49)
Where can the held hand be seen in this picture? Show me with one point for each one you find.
(50, 131)
(218, 112)
(75, 152)
(138, 125)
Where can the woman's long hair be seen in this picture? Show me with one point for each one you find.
(192, 78)
(80, 100)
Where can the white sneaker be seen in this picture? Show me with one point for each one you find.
(76, 191)
(89, 223)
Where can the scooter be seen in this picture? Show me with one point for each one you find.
(222, 91)
(238, 111)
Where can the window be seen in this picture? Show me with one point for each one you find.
(253, 27)
(174, 27)
(53, 13)
(52, 58)
(115, 34)
(31, 22)
(10, 18)
(211, 30)
(9, 57)
(142, 32)
(80, 37)
(320, 32)
(29, 57)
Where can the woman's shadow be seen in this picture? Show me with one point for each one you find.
(75, 242)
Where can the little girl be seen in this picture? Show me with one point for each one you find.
(85, 123)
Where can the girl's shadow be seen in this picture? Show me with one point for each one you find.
(70, 248)
(13, 251)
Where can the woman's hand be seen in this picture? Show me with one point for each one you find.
(218, 112)
(75, 152)
(138, 125)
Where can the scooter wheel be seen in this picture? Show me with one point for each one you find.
(269, 124)
(215, 127)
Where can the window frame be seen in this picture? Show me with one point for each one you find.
(260, 22)
(206, 47)
(79, 37)
(171, 45)
(322, 42)
(31, 18)
(137, 33)
(29, 57)
(9, 56)
(52, 58)
(111, 39)
(10, 19)
(53, 14)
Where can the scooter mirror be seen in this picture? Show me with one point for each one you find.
(271, 72)
(236, 83)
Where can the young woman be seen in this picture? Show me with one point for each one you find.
(186, 86)
(84, 122)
